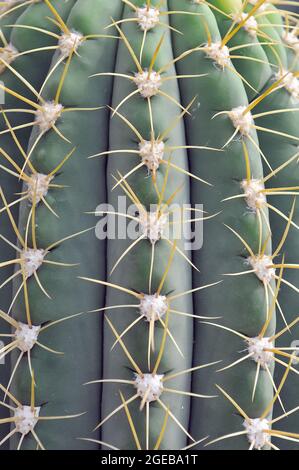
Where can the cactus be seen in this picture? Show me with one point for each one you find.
(149, 254)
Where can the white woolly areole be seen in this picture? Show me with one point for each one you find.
(153, 307)
(149, 386)
(254, 198)
(290, 83)
(47, 116)
(250, 26)
(262, 7)
(148, 83)
(38, 187)
(32, 260)
(148, 18)
(291, 39)
(69, 42)
(261, 264)
(151, 153)
(152, 225)
(26, 419)
(256, 432)
(218, 53)
(241, 120)
(8, 54)
(26, 336)
(257, 346)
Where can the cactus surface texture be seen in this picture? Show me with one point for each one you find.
(149, 228)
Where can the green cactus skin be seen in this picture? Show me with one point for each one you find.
(33, 68)
(275, 17)
(70, 295)
(276, 48)
(92, 293)
(225, 254)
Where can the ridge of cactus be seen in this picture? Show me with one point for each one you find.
(155, 117)
(247, 318)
